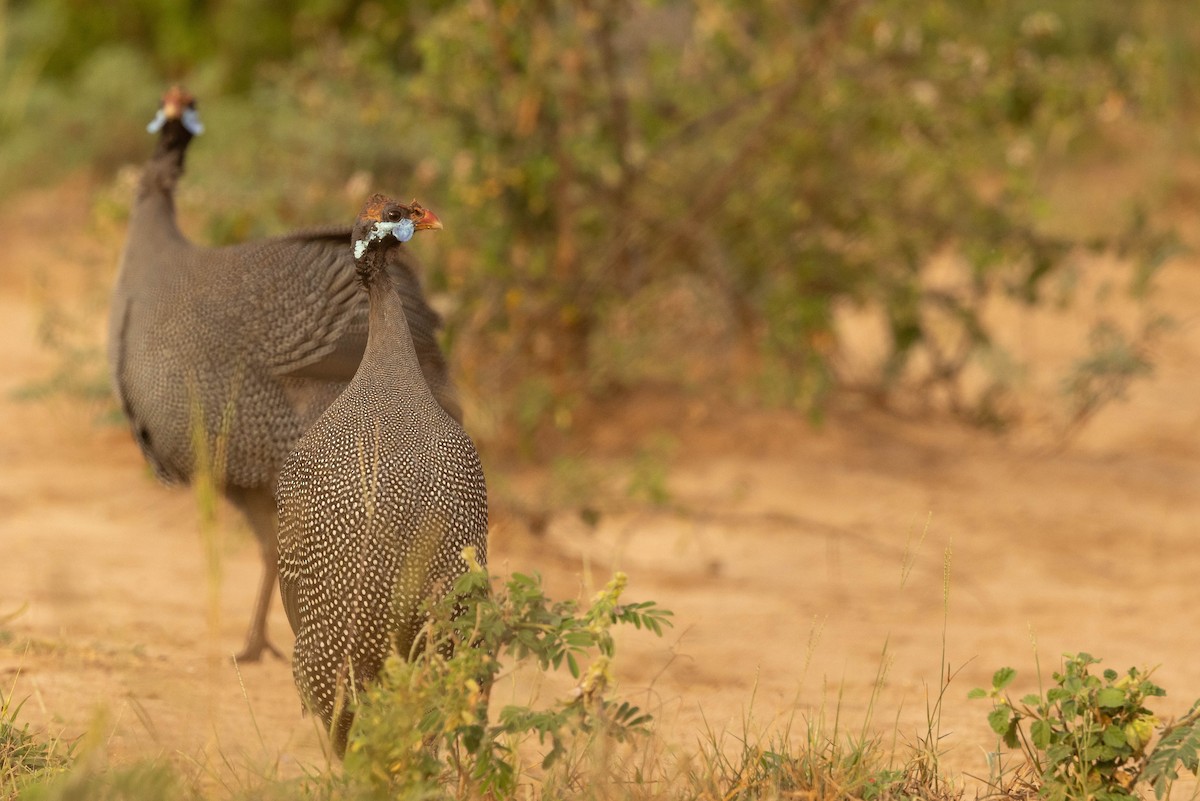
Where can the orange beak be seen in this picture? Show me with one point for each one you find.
(429, 221)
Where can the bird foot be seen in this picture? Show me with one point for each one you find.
(253, 652)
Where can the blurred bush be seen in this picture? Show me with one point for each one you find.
(731, 171)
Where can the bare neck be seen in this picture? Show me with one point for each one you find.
(154, 204)
(391, 357)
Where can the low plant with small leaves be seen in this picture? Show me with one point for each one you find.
(26, 757)
(1092, 737)
(425, 723)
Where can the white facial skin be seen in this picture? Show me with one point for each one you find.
(190, 120)
(402, 230)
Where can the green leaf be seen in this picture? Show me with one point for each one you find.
(1114, 736)
(1003, 677)
(1110, 698)
(472, 737)
(978, 692)
(1059, 752)
(1041, 733)
(1000, 719)
(1031, 700)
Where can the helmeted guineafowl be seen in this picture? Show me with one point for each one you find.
(378, 500)
(224, 356)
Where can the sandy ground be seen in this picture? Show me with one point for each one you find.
(782, 549)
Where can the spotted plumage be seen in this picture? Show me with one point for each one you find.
(376, 503)
(239, 349)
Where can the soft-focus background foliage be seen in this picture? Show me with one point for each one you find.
(683, 192)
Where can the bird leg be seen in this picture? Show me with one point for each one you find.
(258, 506)
(256, 635)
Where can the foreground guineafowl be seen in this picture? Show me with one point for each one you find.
(378, 500)
(222, 357)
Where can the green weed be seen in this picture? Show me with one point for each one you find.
(26, 757)
(1092, 737)
(425, 723)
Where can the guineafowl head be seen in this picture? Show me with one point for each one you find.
(382, 224)
(178, 107)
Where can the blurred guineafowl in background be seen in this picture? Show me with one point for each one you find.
(378, 500)
(222, 357)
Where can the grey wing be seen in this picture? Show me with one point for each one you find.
(323, 313)
(331, 334)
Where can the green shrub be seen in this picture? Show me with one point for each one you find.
(1092, 737)
(424, 724)
(792, 159)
